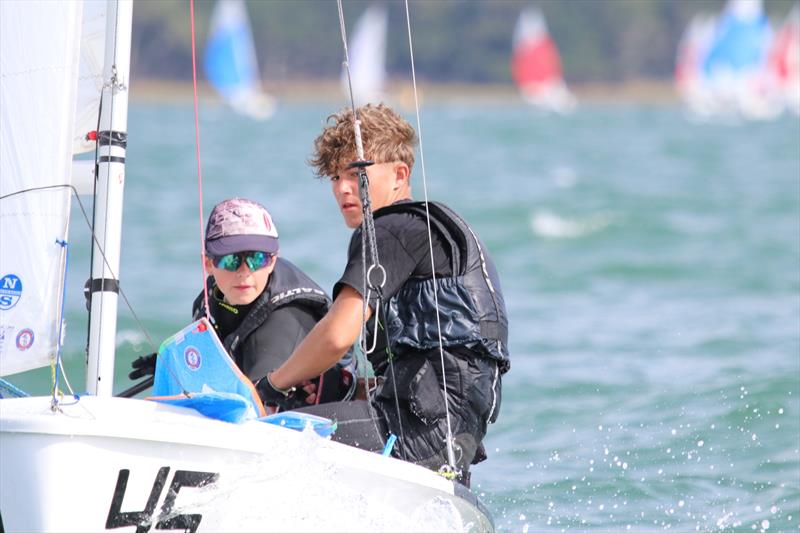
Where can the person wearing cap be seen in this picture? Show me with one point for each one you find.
(261, 305)
(432, 382)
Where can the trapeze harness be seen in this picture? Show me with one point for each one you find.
(474, 324)
(473, 311)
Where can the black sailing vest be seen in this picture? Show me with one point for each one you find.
(472, 311)
(287, 284)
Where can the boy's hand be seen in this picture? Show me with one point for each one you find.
(309, 389)
(143, 366)
(273, 396)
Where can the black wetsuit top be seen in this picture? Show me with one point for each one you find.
(260, 336)
(473, 380)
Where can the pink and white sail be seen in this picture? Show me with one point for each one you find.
(783, 62)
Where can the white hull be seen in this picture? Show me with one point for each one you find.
(109, 464)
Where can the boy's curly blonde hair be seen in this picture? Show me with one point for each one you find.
(385, 135)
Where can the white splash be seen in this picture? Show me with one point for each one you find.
(135, 338)
(545, 223)
(292, 476)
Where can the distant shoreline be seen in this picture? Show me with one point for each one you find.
(640, 91)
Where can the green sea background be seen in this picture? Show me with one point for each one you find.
(650, 264)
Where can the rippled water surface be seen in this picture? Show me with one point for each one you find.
(651, 266)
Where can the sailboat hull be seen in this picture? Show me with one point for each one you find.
(102, 464)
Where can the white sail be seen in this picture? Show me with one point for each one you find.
(142, 464)
(367, 52)
(690, 81)
(90, 80)
(40, 42)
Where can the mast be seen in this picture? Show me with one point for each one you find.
(112, 139)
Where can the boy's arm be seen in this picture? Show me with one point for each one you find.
(326, 343)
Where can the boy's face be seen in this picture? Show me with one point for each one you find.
(243, 286)
(387, 184)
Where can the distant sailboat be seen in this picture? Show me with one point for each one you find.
(367, 53)
(536, 65)
(230, 61)
(692, 51)
(784, 61)
(729, 76)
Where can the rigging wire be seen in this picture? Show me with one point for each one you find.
(450, 452)
(363, 184)
(58, 368)
(99, 248)
(368, 235)
(362, 177)
(199, 166)
(94, 218)
(59, 364)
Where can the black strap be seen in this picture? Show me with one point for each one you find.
(99, 285)
(112, 138)
(111, 159)
(102, 285)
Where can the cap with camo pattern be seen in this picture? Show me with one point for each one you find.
(240, 225)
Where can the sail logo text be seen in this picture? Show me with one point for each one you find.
(166, 518)
(10, 291)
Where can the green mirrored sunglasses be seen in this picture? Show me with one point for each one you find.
(232, 262)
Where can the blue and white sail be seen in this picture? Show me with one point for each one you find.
(367, 53)
(230, 61)
(741, 41)
(731, 76)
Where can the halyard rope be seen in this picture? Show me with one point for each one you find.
(368, 236)
(368, 231)
(199, 166)
(450, 454)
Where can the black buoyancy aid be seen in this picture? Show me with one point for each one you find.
(287, 284)
(472, 310)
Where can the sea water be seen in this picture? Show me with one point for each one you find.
(650, 263)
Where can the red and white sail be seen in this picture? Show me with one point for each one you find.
(784, 61)
(536, 64)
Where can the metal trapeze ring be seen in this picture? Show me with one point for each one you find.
(369, 275)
